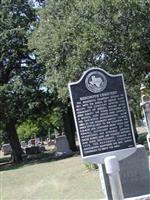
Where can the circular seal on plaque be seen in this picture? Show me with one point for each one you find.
(95, 82)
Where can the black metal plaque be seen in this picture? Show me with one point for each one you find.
(101, 113)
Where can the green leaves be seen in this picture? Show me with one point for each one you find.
(75, 35)
(21, 77)
(27, 130)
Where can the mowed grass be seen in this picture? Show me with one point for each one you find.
(63, 179)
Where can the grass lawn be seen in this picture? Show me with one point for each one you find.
(63, 179)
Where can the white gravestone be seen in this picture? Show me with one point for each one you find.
(146, 108)
(62, 146)
(145, 104)
(23, 144)
(6, 148)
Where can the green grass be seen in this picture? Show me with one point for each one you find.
(62, 179)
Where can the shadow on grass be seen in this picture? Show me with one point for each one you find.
(6, 164)
(34, 159)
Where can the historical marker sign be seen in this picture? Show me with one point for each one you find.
(102, 115)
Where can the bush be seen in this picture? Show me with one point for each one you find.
(142, 138)
(91, 166)
(27, 130)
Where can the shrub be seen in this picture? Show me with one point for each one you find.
(91, 166)
(142, 138)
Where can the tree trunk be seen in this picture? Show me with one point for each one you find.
(69, 128)
(14, 142)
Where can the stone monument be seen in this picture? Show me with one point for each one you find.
(6, 148)
(62, 146)
(145, 104)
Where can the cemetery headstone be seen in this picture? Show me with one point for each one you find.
(37, 141)
(33, 150)
(29, 143)
(102, 116)
(33, 142)
(51, 142)
(6, 148)
(145, 104)
(62, 146)
(23, 144)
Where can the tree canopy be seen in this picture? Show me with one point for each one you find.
(74, 35)
(21, 77)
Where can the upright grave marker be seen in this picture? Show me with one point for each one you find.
(102, 116)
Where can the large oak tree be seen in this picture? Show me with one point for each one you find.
(21, 78)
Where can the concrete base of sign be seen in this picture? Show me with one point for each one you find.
(112, 169)
(134, 174)
(120, 154)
